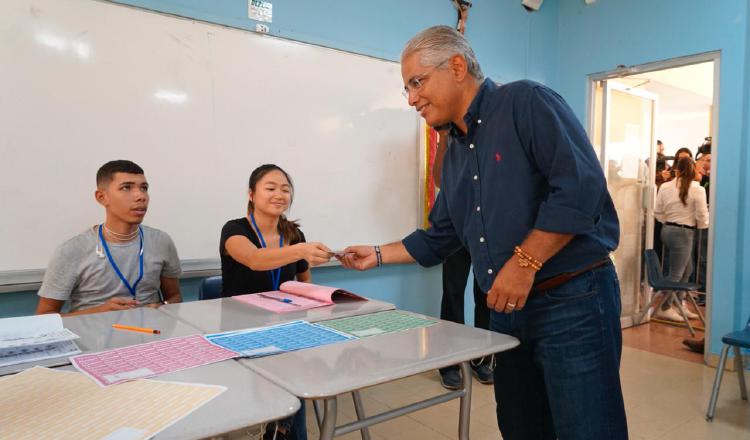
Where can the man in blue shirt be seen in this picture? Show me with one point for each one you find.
(523, 191)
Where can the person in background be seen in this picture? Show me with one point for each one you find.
(659, 149)
(703, 166)
(119, 264)
(264, 249)
(679, 154)
(662, 169)
(455, 272)
(681, 207)
(663, 173)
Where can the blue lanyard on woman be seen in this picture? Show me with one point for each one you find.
(276, 273)
(132, 288)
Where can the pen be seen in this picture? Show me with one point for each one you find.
(284, 300)
(136, 329)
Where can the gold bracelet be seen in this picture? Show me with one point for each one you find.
(526, 260)
(517, 250)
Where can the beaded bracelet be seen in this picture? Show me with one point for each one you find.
(379, 256)
(526, 260)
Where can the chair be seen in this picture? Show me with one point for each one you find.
(736, 340)
(657, 281)
(210, 288)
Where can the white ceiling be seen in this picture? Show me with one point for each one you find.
(695, 78)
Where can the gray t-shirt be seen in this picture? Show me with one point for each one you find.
(77, 273)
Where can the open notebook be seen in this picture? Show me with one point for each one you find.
(34, 338)
(295, 296)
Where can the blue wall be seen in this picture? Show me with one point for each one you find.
(599, 37)
(559, 45)
(510, 43)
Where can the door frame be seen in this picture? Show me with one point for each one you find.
(648, 193)
(623, 71)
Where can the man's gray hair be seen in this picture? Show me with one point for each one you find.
(438, 44)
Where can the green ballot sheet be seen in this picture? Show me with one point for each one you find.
(377, 323)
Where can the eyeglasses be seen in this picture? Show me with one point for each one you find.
(416, 83)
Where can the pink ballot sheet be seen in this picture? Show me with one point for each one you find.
(295, 296)
(150, 359)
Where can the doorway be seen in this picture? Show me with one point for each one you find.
(631, 108)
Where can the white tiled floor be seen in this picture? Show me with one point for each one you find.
(665, 399)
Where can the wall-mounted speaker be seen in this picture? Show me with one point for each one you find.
(532, 5)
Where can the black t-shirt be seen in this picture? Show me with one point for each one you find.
(706, 184)
(239, 279)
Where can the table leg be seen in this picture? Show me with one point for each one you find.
(318, 408)
(465, 408)
(360, 409)
(329, 418)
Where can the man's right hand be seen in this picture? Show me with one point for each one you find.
(314, 253)
(118, 303)
(359, 257)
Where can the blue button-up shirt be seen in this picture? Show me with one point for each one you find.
(525, 163)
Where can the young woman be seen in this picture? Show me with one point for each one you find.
(681, 207)
(264, 249)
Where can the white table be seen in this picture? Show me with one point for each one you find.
(320, 373)
(249, 400)
(227, 314)
(324, 372)
(97, 333)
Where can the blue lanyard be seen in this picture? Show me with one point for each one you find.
(132, 288)
(276, 273)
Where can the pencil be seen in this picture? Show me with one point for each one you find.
(136, 329)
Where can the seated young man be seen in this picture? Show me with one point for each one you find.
(119, 264)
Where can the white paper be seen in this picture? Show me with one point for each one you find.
(135, 374)
(260, 10)
(262, 350)
(34, 338)
(29, 326)
(19, 355)
(44, 338)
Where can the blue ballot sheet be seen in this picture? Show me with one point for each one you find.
(280, 338)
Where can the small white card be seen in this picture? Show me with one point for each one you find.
(368, 332)
(134, 374)
(263, 350)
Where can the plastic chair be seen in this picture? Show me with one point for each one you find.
(657, 281)
(736, 340)
(210, 288)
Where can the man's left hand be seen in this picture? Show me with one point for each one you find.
(511, 287)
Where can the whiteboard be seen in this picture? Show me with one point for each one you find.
(198, 106)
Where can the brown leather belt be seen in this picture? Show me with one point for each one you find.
(551, 283)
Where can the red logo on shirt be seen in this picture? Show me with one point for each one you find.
(498, 158)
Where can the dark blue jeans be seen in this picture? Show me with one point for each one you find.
(563, 381)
